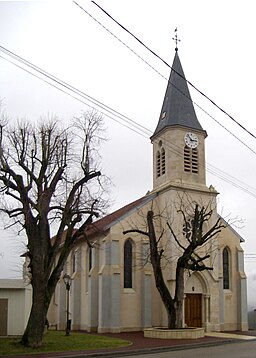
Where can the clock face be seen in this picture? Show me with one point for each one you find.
(191, 140)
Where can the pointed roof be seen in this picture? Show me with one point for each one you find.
(177, 109)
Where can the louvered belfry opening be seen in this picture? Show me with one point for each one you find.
(190, 160)
(160, 163)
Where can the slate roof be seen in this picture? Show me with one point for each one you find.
(177, 108)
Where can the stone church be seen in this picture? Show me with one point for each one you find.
(113, 287)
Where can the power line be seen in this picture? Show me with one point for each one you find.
(125, 121)
(138, 128)
(154, 69)
(161, 59)
(78, 99)
(211, 169)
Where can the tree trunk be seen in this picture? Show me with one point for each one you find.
(43, 288)
(171, 315)
(179, 296)
(33, 334)
(161, 286)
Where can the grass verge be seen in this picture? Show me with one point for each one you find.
(56, 341)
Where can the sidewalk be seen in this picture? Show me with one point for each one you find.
(141, 345)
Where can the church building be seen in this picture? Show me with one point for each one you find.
(113, 287)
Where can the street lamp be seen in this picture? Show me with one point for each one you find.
(67, 281)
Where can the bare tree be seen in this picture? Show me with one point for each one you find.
(190, 257)
(49, 178)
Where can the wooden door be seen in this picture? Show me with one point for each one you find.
(193, 310)
(3, 316)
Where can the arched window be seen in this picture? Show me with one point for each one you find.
(74, 262)
(128, 264)
(158, 164)
(226, 268)
(89, 258)
(88, 266)
(162, 161)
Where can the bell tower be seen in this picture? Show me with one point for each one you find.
(178, 140)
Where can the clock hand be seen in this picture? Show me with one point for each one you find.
(193, 140)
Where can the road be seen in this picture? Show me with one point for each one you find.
(245, 349)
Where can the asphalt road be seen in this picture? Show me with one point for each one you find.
(245, 349)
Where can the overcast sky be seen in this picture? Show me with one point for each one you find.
(217, 54)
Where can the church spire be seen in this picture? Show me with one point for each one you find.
(177, 109)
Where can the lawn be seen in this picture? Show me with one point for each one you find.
(56, 341)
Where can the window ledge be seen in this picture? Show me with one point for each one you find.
(129, 290)
(227, 291)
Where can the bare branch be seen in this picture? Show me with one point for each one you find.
(136, 231)
(191, 253)
(175, 237)
(46, 176)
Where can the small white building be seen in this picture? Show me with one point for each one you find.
(15, 305)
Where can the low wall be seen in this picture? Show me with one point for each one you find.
(183, 333)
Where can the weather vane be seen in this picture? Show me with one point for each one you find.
(175, 38)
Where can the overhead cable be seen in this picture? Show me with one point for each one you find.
(116, 116)
(161, 59)
(107, 110)
(154, 69)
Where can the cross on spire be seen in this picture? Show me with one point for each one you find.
(175, 38)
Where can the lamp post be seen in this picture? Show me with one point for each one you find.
(67, 281)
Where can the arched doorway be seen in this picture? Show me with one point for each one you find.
(195, 289)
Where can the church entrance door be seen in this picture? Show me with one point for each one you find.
(193, 310)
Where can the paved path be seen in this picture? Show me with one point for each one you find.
(230, 335)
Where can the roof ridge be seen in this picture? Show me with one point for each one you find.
(104, 223)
